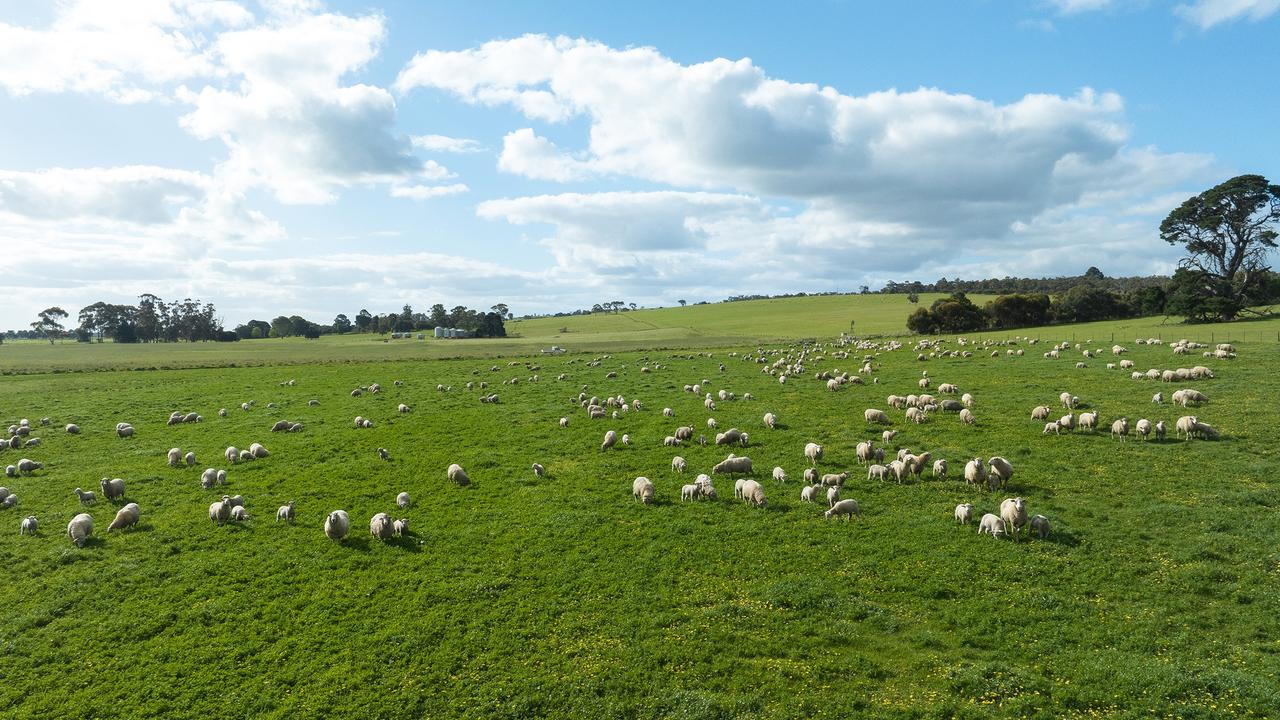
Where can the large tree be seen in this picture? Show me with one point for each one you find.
(47, 323)
(1228, 231)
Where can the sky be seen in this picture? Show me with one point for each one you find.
(293, 157)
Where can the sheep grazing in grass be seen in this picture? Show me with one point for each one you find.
(678, 464)
(232, 454)
(845, 508)
(732, 436)
(222, 412)
(73, 429)
(808, 493)
(1013, 511)
(1188, 397)
(1000, 472)
(967, 417)
(220, 511)
(770, 420)
(991, 525)
(610, 439)
(833, 495)
(9, 501)
(873, 415)
(964, 513)
(189, 459)
(112, 489)
(877, 472)
(975, 472)
(1157, 399)
(86, 497)
(11, 471)
(940, 469)
(29, 525)
(336, 525)
(383, 454)
(280, 426)
(1160, 430)
(1067, 422)
(380, 526)
(1120, 429)
(235, 500)
(864, 451)
(733, 465)
(246, 456)
(753, 494)
(1067, 400)
(1040, 526)
(402, 500)
(888, 435)
(222, 477)
(80, 529)
(642, 490)
(403, 408)
(126, 516)
(285, 513)
(626, 439)
(258, 451)
(400, 527)
(28, 466)
(835, 479)
(689, 492)
(458, 476)
(564, 422)
(538, 470)
(813, 453)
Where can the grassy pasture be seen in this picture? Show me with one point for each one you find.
(517, 597)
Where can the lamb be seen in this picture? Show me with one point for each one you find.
(846, 508)
(833, 495)
(1013, 511)
(671, 441)
(967, 400)
(1157, 399)
(11, 471)
(1160, 430)
(564, 422)
(678, 464)
(280, 426)
(733, 465)
(86, 497)
(991, 525)
(811, 476)
(967, 417)
(73, 429)
(384, 454)
(964, 513)
(80, 528)
(285, 513)
(610, 439)
(879, 472)
(813, 451)
(127, 516)
(402, 500)
(208, 478)
(189, 459)
(222, 412)
(975, 472)
(458, 476)
(729, 437)
(29, 525)
(1120, 429)
(246, 456)
(112, 489)
(753, 493)
(779, 474)
(336, 525)
(836, 479)
(403, 408)
(222, 477)
(770, 420)
(1001, 470)
(1052, 427)
(689, 492)
(1067, 400)
(888, 435)
(873, 415)
(400, 527)
(380, 526)
(220, 511)
(175, 457)
(807, 493)
(1040, 526)
(642, 490)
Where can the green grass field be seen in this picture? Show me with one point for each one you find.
(1156, 596)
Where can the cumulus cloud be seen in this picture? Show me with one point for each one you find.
(444, 143)
(1207, 13)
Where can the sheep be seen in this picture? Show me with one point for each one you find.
(975, 472)
(564, 422)
(280, 426)
(689, 492)
(846, 508)
(811, 475)
(684, 432)
(80, 529)
(1088, 421)
(1040, 526)
(1205, 431)
(729, 437)
(232, 454)
(733, 465)
(127, 516)
(770, 420)
(285, 512)
(967, 400)
(29, 525)
(1052, 427)
(948, 389)
(1160, 430)
(711, 423)
(235, 500)
(779, 474)
(879, 472)
(402, 500)
(671, 441)
(310, 403)
(400, 527)
(457, 475)
(1188, 397)
(1143, 428)
(380, 526)
(873, 415)
(336, 525)
(11, 471)
(220, 511)
(86, 497)
(125, 432)
(222, 412)
(991, 525)
(9, 501)
(888, 435)
(833, 495)
(964, 513)
(403, 408)
(807, 493)
(258, 451)
(1001, 470)
(1157, 399)
(642, 490)
(900, 470)
(1120, 429)
(112, 489)
(246, 456)
(28, 466)
(1067, 422)
(538, 470)
(384, 454)
(753, 493)
(813, 452)
(1186, 425)
(836, 479)
(864, 451)
(967, 417)
(678, 464)
(1013, 511)
(1067, 400)
(73, 429)
(222, 477)
(940, 469)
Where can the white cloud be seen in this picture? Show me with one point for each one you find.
(1207, 13)
(525, 153)
(444, 143)
(1070, 7)
(425, 192)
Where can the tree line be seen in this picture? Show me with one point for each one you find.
(477, 323)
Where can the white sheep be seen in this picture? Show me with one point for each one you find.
(1040, 526)
(400, 527)
(220, 511)
(967, 400)
(770, 420)
(26, 465)
(564, 422)
(1052, 427)
(403, 408)
(538, 470)
(846, 508)
(967, 417)
(975, 472)
(457, 475)
(112, 489)
(1160, 430)
(689, 492)
(380, 526)
(678, 464)
(125, 432)
(127, 516)
(1040, 412)
(940, 468)
(29, 525)
(258, 451)
(991, 525)
(964, 513)
(610, 439)
(86, 497)
(222, 477)
(808, 493)
(73, 429)
(878, 472)
(779, 474)
(11, 471)
(642, 490)
(833, 494)
(1013, 511)
(753, 493)
(1120, 429)
(232, 455)
(336, 525)
(80, 529)
(873, 415)
(1001, 471)
(285, 513)
(813, 452)
(402, 500)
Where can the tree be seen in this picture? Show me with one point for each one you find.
(341, 324)
(1227, 231)
(1019, 310)
(501, 309)
(281, 327)
(47, 323)
(364, 320)
(1087, 303)
(922, 321)
(913, 298)
(439, 318)
(1093, 273)
(405, 321)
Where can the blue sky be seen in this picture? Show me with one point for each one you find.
(298, 157)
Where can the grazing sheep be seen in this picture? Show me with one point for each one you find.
(770, 420)
(10, 471)
(125, 432)
(403, 408)
(677, 464)
(813, 452)
(1001, 470)
(733, 465)
(991, 525)
(235, 500)
(29, 525)
(732, 436)
(222, 477)
(753, 493)
(846, 508)
(1040, 526)
(9, 501)
(73, 429)
(112, 489)
(967, 417)
(642, 490)
(967, 400)
(610, 439)
(878, 472)
(1120, 429)
(539, 470)
(1067, 400)
(689, 492)
(833, 494)
(246, 456)
(1013, 511)
(808, 493)
(86, 497)
(127, 516)
(964, 513)
(285, 513)
(380, 526)
(458, 476)
(1157, 399)
(779, 474)
(1187, 397)
(222, 412)
(811, 475)
(564, 422)
(1160, 430)
(940, 468)
(220, 511)
(975, 472)
(671, 441)
(835, 479)
(383, 454)
(402, 500)
(400, 527)
(29, 466)
(280, 426)
(258, 451)
(626, 439)
(873, 415)
(232, 455)
(80, 528)
(336, 525)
